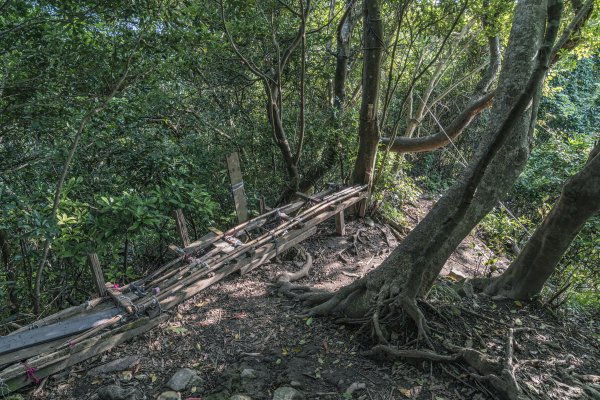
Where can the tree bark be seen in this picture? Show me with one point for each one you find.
(579, 201)
(444, 136)
(343, 36)
(368, 129)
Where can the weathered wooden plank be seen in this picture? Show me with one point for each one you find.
(82, 353)
(182, 228)
(64, 314)
(62, 329)
(97, 274)
(237, 187)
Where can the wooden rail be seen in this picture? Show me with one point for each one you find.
(78, 333)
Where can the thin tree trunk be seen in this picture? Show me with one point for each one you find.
(578, 202)
(343, 36)
(368, 129)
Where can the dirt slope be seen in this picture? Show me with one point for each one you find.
(242, 327)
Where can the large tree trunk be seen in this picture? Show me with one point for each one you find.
(411, 269)
(579, 201)
(368, 128)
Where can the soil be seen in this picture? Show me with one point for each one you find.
(243, 323)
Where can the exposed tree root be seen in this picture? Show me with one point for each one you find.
(412, 354)
(500, 375)
(284, 281)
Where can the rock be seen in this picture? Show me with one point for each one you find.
(369, 222)
(240, 397)
(248, 373)
(183, 379)
(295, 384)
(287, 393)
(125, 376)
(114, 392)
(120, 364)
(457, 275)
(224, 395)
(169, 396)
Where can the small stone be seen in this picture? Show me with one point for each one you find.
(369, 222)
(169, 396)
(183, 379)
(248, 373)
(126, 376)
(240, 397)
(287, 393)
(114, 392)
(295, 384)
(224, 395)
(120, 364)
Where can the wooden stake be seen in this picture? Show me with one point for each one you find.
(362, 208)
(262, 207)
(237, 187)
(181, 227)
(97, 274)
(340, 225)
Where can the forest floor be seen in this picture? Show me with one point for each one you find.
(241, 337)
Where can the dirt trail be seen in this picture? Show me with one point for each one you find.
(241, 337)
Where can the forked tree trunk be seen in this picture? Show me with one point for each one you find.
(413, 266)
(368, 129)
(579, 201)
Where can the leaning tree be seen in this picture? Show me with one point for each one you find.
(578, 202)
(392, 289)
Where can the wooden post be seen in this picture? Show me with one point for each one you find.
(97, 274)
(261, 205)
(237, 187)
(181, 227)
(340, 225)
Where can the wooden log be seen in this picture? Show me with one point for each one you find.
(97, 274)
(182, 228)
(340, 225)
(237, 187)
